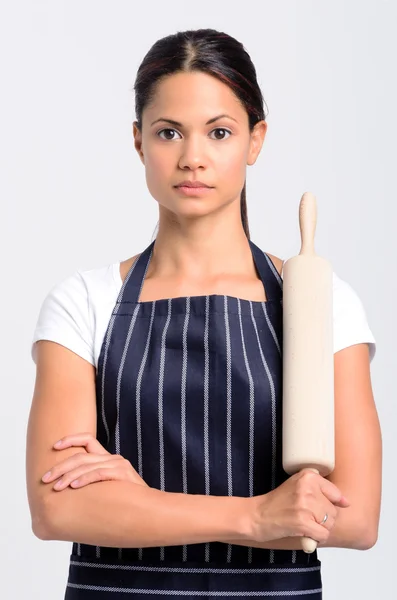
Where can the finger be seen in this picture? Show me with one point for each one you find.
(329, 522)
(62, 467)
(318, 533)
(93, 476)
(86, 479)
(100, 471)
(344, 502)
(333, 493)
(312, 529)
(96, 475)
(87, 440)
(82, 459)
(329, 489)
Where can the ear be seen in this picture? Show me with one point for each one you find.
(257, 138)
(138, 140)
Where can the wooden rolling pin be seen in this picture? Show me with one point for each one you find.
(308, 436)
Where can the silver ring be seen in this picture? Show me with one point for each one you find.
(325, 518)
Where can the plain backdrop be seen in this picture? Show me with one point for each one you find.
(73, 196)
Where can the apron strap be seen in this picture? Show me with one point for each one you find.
(271, 279)
(131, 288)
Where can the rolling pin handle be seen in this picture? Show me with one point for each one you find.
(307, 223)
(309, 545)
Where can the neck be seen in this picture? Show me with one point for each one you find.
(201, 248)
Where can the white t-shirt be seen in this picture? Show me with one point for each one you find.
(76, 313)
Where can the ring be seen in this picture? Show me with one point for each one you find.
(325, 518)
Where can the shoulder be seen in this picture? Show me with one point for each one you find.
(346, 297)
(351, 324)
(69, 310)
(126, 265)
(84, 286)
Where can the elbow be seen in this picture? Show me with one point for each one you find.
(367, 528)
(365, 532)
(42, 521)
(40, 527)
(40, 531)
(367, 538)
(353, 534)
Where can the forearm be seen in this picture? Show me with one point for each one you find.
(348, 532)
(126, 515)
(288, 543)
(295, 543)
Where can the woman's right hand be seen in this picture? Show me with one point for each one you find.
(296, 508)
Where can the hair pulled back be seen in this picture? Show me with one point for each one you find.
(208, 51)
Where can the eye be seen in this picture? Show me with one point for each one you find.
(174, 130)
(222, 129)
(161, 131)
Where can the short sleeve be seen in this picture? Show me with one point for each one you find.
(350, 320)
(64, 318)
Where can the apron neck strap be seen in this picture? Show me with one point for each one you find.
(268, 273)
(131, 288)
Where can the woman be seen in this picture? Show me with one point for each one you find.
(165, 372)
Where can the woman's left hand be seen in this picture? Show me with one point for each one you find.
(96, 464)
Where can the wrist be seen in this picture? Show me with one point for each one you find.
(247, 518)
(247, 522)
(257, 527)
(233, 518)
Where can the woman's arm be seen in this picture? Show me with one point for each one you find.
(127, 515)
(107, 513)
(358, 456)
(358, 449)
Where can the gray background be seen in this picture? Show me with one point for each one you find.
(73, 196)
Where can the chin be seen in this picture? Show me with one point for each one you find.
(192, 206)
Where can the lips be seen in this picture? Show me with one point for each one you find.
(190, 190)
(192, 184)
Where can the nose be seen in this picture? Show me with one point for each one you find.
(193, 154)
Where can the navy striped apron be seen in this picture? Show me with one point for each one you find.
(189, 390)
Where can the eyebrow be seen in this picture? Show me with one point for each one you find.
(177, 124)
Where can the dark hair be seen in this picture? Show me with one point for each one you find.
(209, 51)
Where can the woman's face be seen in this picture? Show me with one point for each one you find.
(214, 153)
